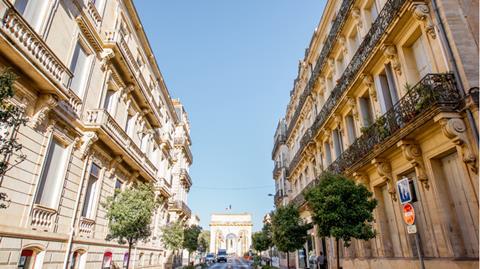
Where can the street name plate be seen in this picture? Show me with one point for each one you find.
(412, 229)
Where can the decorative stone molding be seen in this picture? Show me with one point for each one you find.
(455, 129)
(384, 169)
(352, 104)
(337, 120)
(126, 91)
(343, 44)
(310, 152)
(357, 17)
(106, 55)
(391, 53)
(368, 82)
(412, 152)
(331, 65)
(86, 143)
(44, 104)
(113, 166)
(421, 12)
(362, 178)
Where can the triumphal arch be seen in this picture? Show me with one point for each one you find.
(232, 232)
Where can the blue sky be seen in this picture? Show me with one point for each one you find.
(232, 63)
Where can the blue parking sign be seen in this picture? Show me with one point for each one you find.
(403, 190)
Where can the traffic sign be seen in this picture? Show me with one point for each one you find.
(404, 192)
(412, 229)
(408, 214)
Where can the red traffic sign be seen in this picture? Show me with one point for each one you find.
(408, 214)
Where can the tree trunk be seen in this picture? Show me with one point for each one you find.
(338, 256)
(129, 251)
(288, 260)
(188, 261)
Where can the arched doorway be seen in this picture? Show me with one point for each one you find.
(231, 242)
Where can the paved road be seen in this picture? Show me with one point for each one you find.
(233, 263)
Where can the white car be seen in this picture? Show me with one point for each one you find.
(210, 258)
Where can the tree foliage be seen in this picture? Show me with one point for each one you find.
(342, 209)
(204, 241)
(130, 214)
(289, 232)
(190, 238)
(11, 118)
(262, 240)
(172, 235)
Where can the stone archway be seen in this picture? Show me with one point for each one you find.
(231, 243)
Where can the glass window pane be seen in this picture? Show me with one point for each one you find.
(90, 191)
(54, 167)
(78, 68)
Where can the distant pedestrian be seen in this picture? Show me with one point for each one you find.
(321, 261)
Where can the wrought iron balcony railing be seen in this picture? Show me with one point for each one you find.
(336, 28)
(434, 93)
(364, 51)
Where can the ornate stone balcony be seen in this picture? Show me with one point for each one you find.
(101, 120)
(33, 47)
(277, 198)
(164, 187)
(279, 140)
(370, 41)
(277, 169)
(180, 207)
(85, 227)
(116, 41)
(93, 14)
(185, 177)
(183, 142)
(433, 94)
(42, 217)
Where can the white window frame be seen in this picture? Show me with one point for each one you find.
(92, 213)
(80, 40)
(68, 148)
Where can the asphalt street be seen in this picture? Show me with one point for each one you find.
(233, 263)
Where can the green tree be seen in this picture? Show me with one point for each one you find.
(341, 209)
(130, 214)
(172, 236)
(11, 118)
(204, 241)
(289, 232)
(262, 240)
(190, 238)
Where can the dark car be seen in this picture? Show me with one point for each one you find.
(222, 255)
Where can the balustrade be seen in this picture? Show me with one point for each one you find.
(42, 217)
(30, 43)
(101, 118)
(94, 15)
(85, 227)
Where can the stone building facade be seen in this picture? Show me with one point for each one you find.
(388, 89)
(231, 232)
(99, 119)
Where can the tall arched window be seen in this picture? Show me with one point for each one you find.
(78, 260)
(107, 260)
(31, 258)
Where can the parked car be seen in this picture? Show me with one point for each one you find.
(222, 255)
(210, 258)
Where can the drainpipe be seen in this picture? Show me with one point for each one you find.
(72, 227)
(454, 66)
